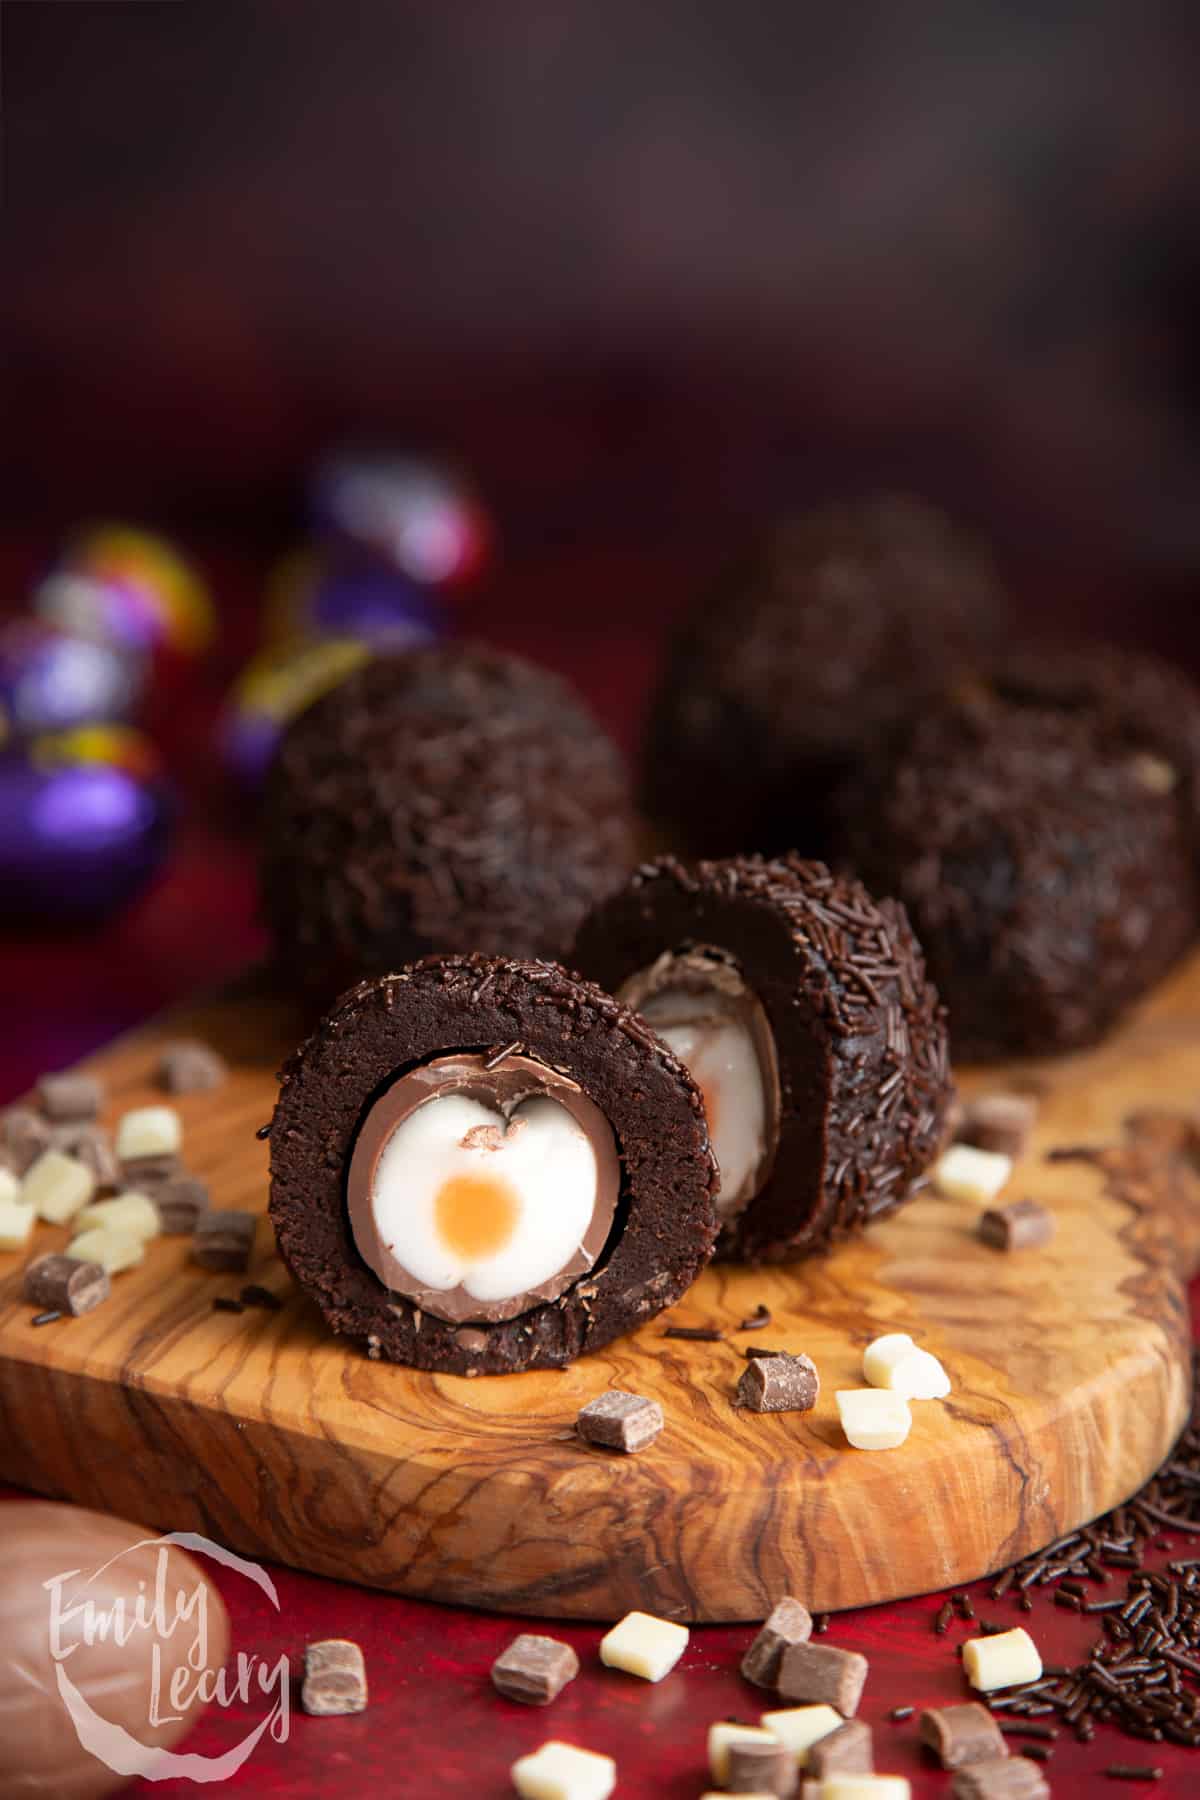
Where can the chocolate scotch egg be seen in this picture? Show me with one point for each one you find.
(481, 1165)
(800, 1006)
(833, 626)
(1046, 860)
(446, 798)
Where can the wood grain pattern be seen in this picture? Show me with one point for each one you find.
(1070, 1371)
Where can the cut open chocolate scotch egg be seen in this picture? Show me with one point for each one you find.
(801, 1006)
(481, 1165)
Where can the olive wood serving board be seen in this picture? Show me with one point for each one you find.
(1070, 1370)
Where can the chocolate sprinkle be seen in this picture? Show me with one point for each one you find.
(226, 1303)
(698, 1334)
(45, 1318)
(759, 1318)
(254, 1295)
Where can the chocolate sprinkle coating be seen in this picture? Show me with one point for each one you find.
(835, 625)
(859, 1033)
(666, 1220)
(450, 798)
(1048, 884)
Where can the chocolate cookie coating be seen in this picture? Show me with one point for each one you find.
(1047, 871)
(860, 1035)
(665, 1223)
(831, 628)
(450, 798)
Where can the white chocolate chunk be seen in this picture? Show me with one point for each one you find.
(881, 1356)
(1006, 1660)
(16, 1222)
(561, 1772)
(800, 1727)
(149, 1131)
(964, 1173)
(874, 1418)
(10, 1187)
(722, 1735)
(538, 1167)
(57, 1186)
(134, 1214)
(897, 1363)
(865, 1787)
(643, 1645)
(113, 1250)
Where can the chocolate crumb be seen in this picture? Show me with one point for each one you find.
(254, 1295)
(226, 1303)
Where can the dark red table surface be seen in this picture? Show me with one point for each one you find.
(435, 1727)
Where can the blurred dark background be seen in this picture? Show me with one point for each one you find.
(648, 270)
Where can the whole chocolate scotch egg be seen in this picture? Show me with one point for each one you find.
(480, 1165)
(801, 1007)
(833, 626)
(1045, 854)
(445, 798)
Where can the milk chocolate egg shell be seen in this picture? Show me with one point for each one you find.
(1043, 860)
(781, 965)
(448, 798)
(832, 627)
(480, 1165)
(41, 1756)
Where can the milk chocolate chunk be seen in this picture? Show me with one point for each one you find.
(180, 1200)
(534, 1670)
(1047, 885)
(24, 1134)
(1007, 1778)
(620, 1421)
(847, 1751)
(788, 1622)
(1000, 1122)
(190, 1067)
(759, 1768)
(70, 1096)
(335, 1679)
(781, 1383)
(830, 627)
(450, 798)
(146, 1174)
(223, 1239)
(1022, 1225)
(60, 1284)
(800, 1005)
(815, 1673)
(91, 1145)
(495, 1148)
(959, 1735)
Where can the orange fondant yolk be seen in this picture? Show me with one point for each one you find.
(476, 1215)
(708, 1093)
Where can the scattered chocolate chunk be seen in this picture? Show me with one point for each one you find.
(847, 1751)
(70, 1096)
(779, 1384)
(1133, 1772)
(757, 1767)
(46, 1318)
(190, 1067)
(180, 1200)
(223, 1240)
(335, 1679)
(534, 1670)
(227, 1303)
(1022, 1225)
(959, 1735)
(789, 1622)
(254, 1295)
(1006, 1778)
(620, 1421)
(146, 1174)
(91, 1145)
(759, 1318)
(64, 1285)
(812, 1674)
(699, 1334)
(24, 1134)
(999, 1122)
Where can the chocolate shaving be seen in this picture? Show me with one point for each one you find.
(758, 1320)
